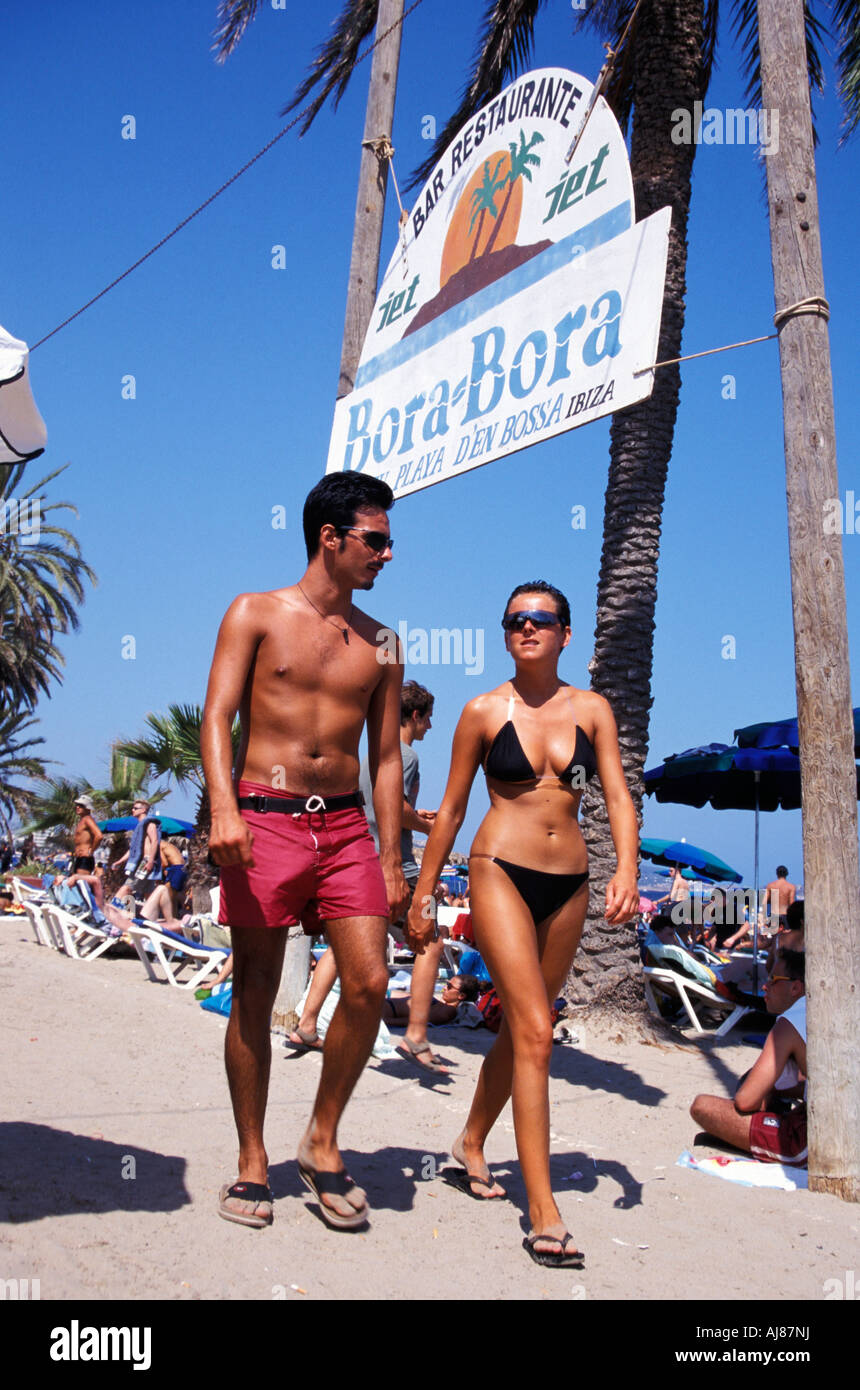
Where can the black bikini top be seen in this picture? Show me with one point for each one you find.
(506, 761)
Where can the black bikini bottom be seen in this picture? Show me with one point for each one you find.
(543, 894)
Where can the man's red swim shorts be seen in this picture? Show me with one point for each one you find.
(310, 867)
(779, 1138)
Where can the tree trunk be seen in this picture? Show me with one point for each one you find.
(294, 978)
(202, 877)
(831, 869)
(668, 74)
(370, 202)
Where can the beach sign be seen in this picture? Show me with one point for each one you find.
(523, 298)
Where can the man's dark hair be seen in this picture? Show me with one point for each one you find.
(336, 499)
(470, 987)
(414, 699)
(794, 916)
(540, 586)
(781, 871)
(793, 962)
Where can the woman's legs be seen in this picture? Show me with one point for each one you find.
(528, 968)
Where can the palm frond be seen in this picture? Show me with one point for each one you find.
(846, 26)
(233, 18)
(504, 48)
(336, 59)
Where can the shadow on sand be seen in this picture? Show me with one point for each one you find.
(52, 1172)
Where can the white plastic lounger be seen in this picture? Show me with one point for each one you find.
(173, 953)
(80, 940)
(686, 990)
(41, 928)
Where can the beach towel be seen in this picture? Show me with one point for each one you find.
(383, 1048)
(749, 1172)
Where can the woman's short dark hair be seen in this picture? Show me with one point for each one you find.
(414, 699)
(336, 499)
(540, 586)
(470, 987)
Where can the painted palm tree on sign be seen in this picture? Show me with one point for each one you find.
(483, 200)
(521, 158)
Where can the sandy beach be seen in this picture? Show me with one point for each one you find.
(118, 1134)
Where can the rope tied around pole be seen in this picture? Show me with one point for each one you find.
(384, 150)
(813, 304)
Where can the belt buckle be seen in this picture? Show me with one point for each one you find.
(310, 807)
(260, 804)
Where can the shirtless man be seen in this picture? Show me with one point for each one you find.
(779, 895)
(87, 836)
(302, 666)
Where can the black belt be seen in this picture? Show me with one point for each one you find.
(295, 804)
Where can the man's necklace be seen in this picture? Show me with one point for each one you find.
(327, 617)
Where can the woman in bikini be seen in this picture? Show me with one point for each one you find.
(528, 880)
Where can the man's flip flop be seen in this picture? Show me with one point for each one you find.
(416, 1050)
(558, 1259)
(246, 1192)
(309, 1042)
(335, 1185)
(459, 1178)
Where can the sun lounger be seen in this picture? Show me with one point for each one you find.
(81, 940)
(687, 991)
(41, 928)
(173, 953)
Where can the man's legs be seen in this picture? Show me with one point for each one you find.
(719, 1117)
(358, 947)
(258, 955)
(424, 973)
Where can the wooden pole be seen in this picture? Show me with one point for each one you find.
(370, 202)
(831, 870)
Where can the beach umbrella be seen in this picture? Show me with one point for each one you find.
(169, 826)
(680, 854)
(783, 734)
(22, 429)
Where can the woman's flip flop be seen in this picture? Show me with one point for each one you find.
(459, 1178)
(558, 1259)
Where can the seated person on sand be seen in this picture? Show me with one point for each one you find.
(757, 1121)
(459, 990)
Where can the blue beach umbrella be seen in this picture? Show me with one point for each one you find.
(169, 826)
(784, 734)
(680, 854)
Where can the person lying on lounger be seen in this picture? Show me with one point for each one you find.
(761, 1119)
(460, 989)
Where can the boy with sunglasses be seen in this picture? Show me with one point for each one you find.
(760, 1119)
(302, 667)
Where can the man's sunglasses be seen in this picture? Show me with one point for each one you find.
(539, 617)
(377, 541)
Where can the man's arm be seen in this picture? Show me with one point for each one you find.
(386, 778)
(759, 1082)
(417, 820)
(238, 638)
(95, 834)
(150, 846)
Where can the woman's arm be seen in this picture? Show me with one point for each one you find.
(465, 761)
(622, 892)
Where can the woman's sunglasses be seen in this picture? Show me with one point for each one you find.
(539, 617)
(377, 541)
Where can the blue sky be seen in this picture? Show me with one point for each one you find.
(235, 366)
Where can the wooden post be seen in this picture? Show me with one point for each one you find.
(370, 202)
(831, 871)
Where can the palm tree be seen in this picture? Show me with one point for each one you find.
(17, 760)
(42, 579)
(664, 64)
(172, 749)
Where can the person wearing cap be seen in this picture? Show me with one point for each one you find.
(87, 836)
